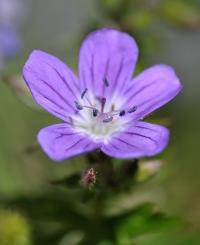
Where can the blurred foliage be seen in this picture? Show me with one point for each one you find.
(61, 219)
(72, 213)
(14, 229)
(122, 206)
(141, 18)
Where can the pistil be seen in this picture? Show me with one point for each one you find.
(103, 102)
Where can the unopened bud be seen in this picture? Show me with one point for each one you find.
(89, 177)
(148, 169)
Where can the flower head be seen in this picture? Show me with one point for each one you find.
(102, 108)
(11, 14)
(9, 42)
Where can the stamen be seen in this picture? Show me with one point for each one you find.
(106, 82)
(108, 119)
(113, 107)
(132, 109)
(78, 106)
(95, 112)
(122, 113)
(83, 93)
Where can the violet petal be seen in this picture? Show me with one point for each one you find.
(61, 142)
(151, 89)
(106, 62)
(52, 84)
(141, 139)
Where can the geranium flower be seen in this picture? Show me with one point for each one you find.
(103, 108)
(12, 12)
(9, 42)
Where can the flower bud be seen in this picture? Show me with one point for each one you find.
(148, 169)
(89, 177)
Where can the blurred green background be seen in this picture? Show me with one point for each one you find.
(166, 31)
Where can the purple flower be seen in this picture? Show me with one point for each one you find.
(102, 108)
(9, 42)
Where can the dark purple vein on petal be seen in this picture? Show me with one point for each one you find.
(140, 135)
(143, 113)
(86, 146)
(73, 145)
(157, 98)
(83, 78)
(61, 135)
(65, 82)
(62, 127)
(56, 92)
(141, 127)
(92, 72)
(69, 123)
(63, 78)
(49, 108)
(105, 76)
(89, 62)
(138, 91)
(116, 80)
(114, 146)
(74, 81)
(49, 99)
(127, 76)
(54, 111)
(126, 143)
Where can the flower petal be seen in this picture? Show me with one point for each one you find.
(141, 139)
(107, 60)
(61, 142)
(151, 89)
(52, 84)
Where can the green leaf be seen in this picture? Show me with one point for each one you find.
(181, 13)
(143, 220)
(182, 237)
(72, 238)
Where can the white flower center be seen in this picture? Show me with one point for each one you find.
(98, 117)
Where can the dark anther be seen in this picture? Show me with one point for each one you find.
(122, 113)
(78, 107)
(95, 112)
(108, 119)
(132, 109)
(83, 93)
(106, 82)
